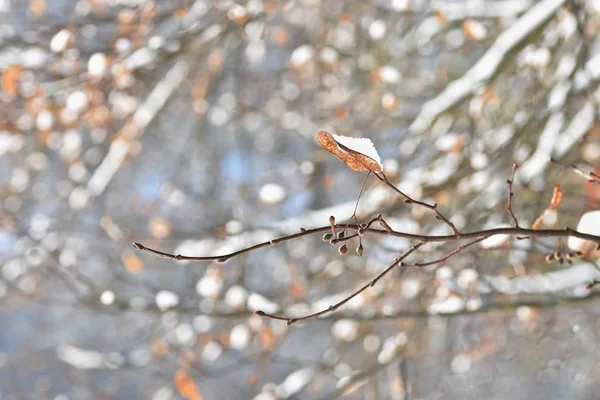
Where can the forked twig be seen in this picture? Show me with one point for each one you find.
(360, 230)
(591, 176)
(397, 262)
(447, 256)
(337, 305)
(409, 200)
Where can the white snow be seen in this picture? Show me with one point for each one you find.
(360, 145)
(589, 223)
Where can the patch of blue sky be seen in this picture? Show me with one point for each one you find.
(149, 186)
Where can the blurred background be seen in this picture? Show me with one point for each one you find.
(189, 126)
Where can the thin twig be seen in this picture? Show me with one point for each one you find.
(332, 224)
(337, 305)
(518, 232)
(361, 229)
(362, 187)
(591, 176)
(225, 257)
(591, 285)
(410, 200)
(511, 194)
(447, 256)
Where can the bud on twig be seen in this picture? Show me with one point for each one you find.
(343, 249)
(327, 237)
(360, 250)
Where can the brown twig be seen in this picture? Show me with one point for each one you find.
(447, 256)
(518, 232)
(361, 229)
(409, 200)
(337, 305)
(332, 224)
(591, 176)
(591, 285)
(511, 194)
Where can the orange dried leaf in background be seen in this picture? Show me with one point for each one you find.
(351, 151)
(132, 263)
(474, 30)
(297, 289)
(491, 95)
(554, 203)
(280, 35)
(537, 224)
(556, 198)
(180, 13)
(160, 228)
(215, 60)
(37, 7)
(340, 113)
(253, 378)
(186, 386)
(327, 181)
(440, 17)
(267, 338)
(10, 79)
(160, 348)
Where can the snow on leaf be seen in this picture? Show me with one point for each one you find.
(358, 154)
(589, 223)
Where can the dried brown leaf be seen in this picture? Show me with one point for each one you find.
(353, 159)
(556, 198)
(131, 262)
(186, 386)
(10, 79)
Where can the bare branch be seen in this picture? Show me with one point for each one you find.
(520, 233)
(337, 305)
(410, 200)
(361, 229)
(447, 256)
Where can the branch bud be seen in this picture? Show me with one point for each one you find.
(343, 249)
(327, 237)
(360, 250)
